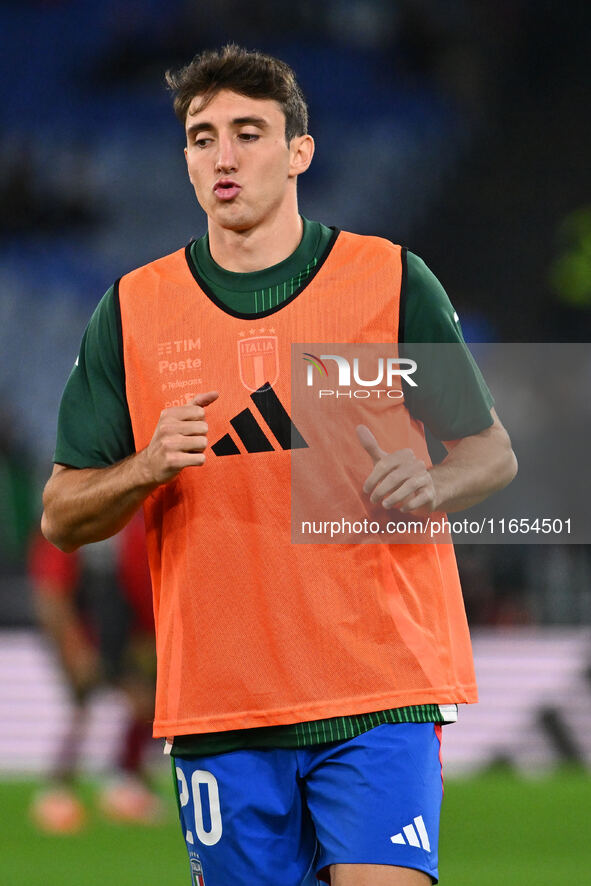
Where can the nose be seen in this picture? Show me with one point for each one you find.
(226, 159)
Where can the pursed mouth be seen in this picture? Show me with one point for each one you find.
(226, 188)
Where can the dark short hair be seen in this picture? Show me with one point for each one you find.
(244, 71)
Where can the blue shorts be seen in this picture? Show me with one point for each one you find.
(283, 816)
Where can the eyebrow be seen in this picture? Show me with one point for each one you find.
(237, 121)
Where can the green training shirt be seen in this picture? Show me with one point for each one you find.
(94, 426)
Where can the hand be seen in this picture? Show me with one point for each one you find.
(399, 479)
(179, 440)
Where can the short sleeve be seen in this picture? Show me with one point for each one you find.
(451, 397)
(94, 426)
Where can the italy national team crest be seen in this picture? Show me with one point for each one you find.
(258, 360)
(197, 871)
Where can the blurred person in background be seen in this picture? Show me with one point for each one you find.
(94, 607)
(301, 689)
(18, 494)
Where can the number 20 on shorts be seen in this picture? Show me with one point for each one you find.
(198, 778)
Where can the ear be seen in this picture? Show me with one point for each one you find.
(187, 162)
(301, 151)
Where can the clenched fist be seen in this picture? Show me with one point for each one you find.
(398, 479)
(179, 440)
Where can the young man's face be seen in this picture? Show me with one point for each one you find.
(238, 160)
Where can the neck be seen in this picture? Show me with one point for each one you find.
(258, 247)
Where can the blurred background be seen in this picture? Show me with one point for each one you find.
(461, 130)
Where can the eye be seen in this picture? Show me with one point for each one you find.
(202, 142)
(248, 136)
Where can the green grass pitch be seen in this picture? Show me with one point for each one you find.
(498, 829)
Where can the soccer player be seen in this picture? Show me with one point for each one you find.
(301, 688)
(95, 608)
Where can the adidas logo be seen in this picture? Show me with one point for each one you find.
(250, 432)
(412, 837)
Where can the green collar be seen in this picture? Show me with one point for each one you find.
(243, 292)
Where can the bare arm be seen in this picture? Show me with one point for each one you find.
(474, 468)
(89, 504)
(85, 505)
